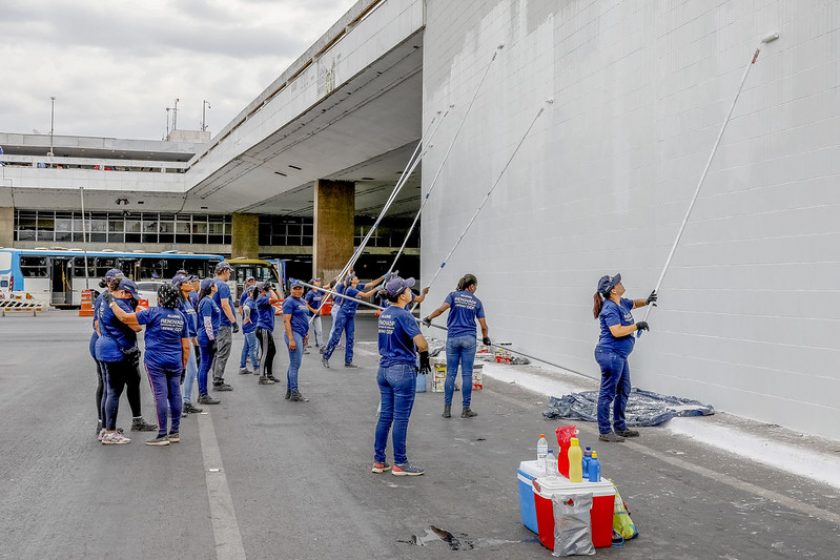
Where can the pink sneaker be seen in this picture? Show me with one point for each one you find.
(115, 438)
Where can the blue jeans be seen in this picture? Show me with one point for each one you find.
(250, 349)
(295, 359)
(192, 375)
(206, 364)
(396, 393)
(346, 323)
(334, 314)
(166, 389)
(459, 350)
(615, 386)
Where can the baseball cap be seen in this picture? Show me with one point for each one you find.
(206, 283)
(397, 285)
(316, 279)
(179, 279)
(222, 266)
(250, 278)
(114, 273)
(129, 286)
(607, 283)
(296, 284)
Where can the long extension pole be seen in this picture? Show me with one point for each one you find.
(769, 39)
(441, 327)
(84, 241)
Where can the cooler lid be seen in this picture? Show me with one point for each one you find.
(550, 486)
(532, 468)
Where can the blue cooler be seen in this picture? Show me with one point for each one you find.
(527, 472)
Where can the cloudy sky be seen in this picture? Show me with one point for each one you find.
(115, 65)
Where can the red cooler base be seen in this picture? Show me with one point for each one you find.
(601, 515)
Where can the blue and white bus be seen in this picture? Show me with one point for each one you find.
(57, 276)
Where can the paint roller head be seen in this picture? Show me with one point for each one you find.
(770, 38)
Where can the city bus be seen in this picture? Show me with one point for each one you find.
(261, 270)
(57, 276)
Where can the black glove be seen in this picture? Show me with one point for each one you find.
(651, 300)
(425, 366)
(427, 321)
(108, 297)
(197, 355)
(486, 341)
(235, 327)
(642, 326)
(212, 346)
(183, 375)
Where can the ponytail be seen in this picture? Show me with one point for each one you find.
(598, 302)
(466, 281)
(205, 292)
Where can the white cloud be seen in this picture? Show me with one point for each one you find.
(115, 65)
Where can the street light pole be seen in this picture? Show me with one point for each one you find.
(52, 125)
(204, 106)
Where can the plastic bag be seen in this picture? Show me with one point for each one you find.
(572, 528)
(622, 523)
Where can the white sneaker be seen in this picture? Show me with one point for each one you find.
(115, 438)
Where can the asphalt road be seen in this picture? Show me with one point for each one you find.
(261, 477)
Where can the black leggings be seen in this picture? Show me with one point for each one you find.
(121, 375)
(268, 350)
(100, 393)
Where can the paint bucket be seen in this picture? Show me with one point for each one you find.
(421, 382)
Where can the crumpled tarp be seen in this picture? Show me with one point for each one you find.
(644, 408)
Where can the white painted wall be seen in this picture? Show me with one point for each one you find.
(750, 313)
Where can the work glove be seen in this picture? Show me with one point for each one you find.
(642, 326)
(427, 322)
(235, 327)
(108, 297)
(212, 346)
(651, 299)
(183, 375)
(425, 366)
(387, 277)
(486, 341)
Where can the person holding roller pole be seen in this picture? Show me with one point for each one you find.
(266, 297)
(208, 331)
(227, 326)
(464, 309)
(313, 300)
(615, 344)
(346, 321)
(399, 341)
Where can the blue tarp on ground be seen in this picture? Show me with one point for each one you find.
(644, 408)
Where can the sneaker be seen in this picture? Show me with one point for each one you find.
(183, 414)
(306, 351)
(101, 435)
(114, 438)
(174, 438)
(351, 366)
(288, 394)
(627, 433)
(158, 441)
(265, 381)
(222, 387)
(325, 362)
(295, 396)
(379, 468)
(245, 371)
(467, 413)
(611, 438)
(447, 412)
(140, 425)
(407, 469)
(272, 378)
(190, 409)
(207, 399)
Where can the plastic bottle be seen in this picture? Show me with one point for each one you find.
(550, 464)
(594, 468)
(542, 448)
(575, 461)
(587, 455)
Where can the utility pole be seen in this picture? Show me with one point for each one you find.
(52, 125)
(175, 115)
(204, 106)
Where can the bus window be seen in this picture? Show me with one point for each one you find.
(34, 267)
(103, 265)
(151, 269)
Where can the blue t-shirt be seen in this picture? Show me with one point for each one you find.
(94, 335)
(265, 314)
(243, 297)
(207, 308)
(314, 298)
(397, 329)
(164, 330)
(117, 337)
(194, 300)
(296, 308)
(192, 317)
(464, 309)
(616, 314)
(250, 325)
(349, 306)
(337, 300)
(223, 292)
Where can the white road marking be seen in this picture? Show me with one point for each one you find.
(226, 531)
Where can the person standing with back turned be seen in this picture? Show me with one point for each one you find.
(464, 309)
(615, 344)
(227, 326)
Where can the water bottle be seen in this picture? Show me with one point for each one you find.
(550, 464)
(542, 449)
(575, 461)
(587, 455)
(594, 468)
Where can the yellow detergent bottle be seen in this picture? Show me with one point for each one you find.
(575, 461)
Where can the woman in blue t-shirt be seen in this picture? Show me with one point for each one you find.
(296, 314)
(101, 393)
(167, 350)
(464, 309)
(399, 341)
(264, 299)
(614, 347)
(209, 317)
(250, 348)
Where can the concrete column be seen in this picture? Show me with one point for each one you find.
(7, 227)
(335, 209)
(245, 235)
